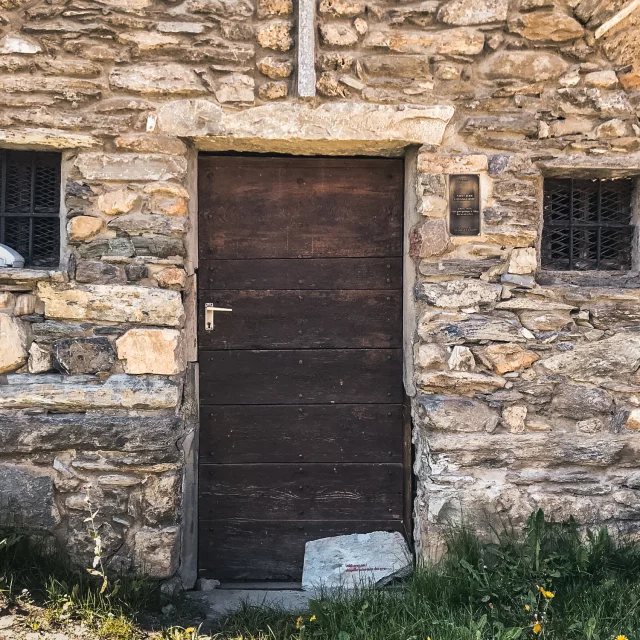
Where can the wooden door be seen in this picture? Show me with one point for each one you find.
(301, 417)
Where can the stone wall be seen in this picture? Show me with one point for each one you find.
(527, 391)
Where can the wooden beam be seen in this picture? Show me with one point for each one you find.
(617, 18)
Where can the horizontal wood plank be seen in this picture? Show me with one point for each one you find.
(266, 550)
(307, 491)
(321, 376)
(311, 433)
(302, 274)
(297, 208)
(303, 320)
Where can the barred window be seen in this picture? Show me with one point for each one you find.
(587, 225)
(30, 205)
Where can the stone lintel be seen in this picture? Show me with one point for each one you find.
(337, 127)
(46, 139)
(588, 167)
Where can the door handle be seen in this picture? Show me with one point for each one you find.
(209, 309)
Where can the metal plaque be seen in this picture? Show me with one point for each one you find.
(464, 205)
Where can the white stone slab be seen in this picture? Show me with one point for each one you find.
(361, 559)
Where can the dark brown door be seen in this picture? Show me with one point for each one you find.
(301, 433)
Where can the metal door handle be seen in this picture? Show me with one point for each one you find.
(209, 309)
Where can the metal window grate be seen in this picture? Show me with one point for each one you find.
(30, 205)
(587, 225)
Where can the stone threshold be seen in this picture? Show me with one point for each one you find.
(223, 601)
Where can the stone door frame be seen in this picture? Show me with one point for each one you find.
(406, 149)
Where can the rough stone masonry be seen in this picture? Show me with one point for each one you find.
(525, 385)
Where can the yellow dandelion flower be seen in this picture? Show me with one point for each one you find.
(622, 638)
(527, 607)
(546, 594)
(537, 628)
(299, 622)
(189, 629)
(312, 619)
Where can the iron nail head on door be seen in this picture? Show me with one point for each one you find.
(209, 309)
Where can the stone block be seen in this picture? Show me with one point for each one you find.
(338, 34)
(26, 497)
(40, 358)
(440, 164)
(99, 272)
(553, 25)
(171, 278)
(461, 359)
(459, 293)
(430, 240)
(157, 551)
(276, 35)
(342, 8)
(527, 66)
(83, 355)
(606, 79)
(460, 41)
(352, 561)
(523, 261)
(235, 88)
(633, 423)
(27, 304)
(82, 393)
(581, 402)
(12, 43)
(232, 9)
(616, 357)
(157, 79)
(118, 201)
(275, 68)
(508, 357)
(156, 351)
(462, 382)
(504, 451)
(430, 356)
(268, 8)
(113, 303)
(83, 228)
(161, 497)
(545, 320)
(23, 434)
(130, 167)
(140, 224)
(470, 12)
(514, 417)
(273, 91)
(453, 413)
(454, 328)
(13, 343)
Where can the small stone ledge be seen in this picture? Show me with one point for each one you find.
(27, 279)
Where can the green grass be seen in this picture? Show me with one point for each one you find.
(483, 592)
(479, 591)
(39, 582)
